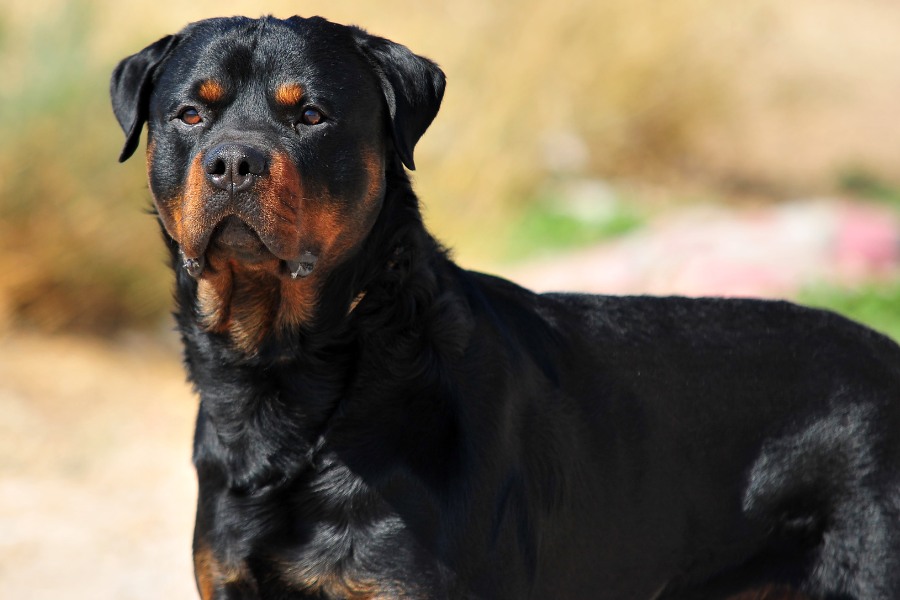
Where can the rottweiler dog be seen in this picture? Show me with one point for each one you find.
(376, 422)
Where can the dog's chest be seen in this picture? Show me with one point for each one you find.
(346, 542)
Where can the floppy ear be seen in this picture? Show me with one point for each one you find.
(130, 87)
(412, 85)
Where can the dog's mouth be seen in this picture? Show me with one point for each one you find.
(233, 236)
(235, 240)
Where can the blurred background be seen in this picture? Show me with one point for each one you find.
(726, 147)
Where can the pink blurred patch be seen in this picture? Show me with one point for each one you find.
(713, 251)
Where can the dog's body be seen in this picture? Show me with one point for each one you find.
(376, 422)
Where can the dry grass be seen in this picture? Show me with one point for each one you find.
(756, 96)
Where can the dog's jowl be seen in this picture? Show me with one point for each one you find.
(376, 422)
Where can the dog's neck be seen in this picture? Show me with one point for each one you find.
(299, 375)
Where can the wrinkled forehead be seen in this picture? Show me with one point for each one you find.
(240, 53)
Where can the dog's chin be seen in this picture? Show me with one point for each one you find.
(235, 240)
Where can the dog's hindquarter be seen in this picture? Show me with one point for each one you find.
(729, 439)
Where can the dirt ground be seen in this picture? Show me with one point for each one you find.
(96, 487)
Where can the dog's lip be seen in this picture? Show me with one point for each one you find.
(234, 234)
(229, 233)
(235, 237)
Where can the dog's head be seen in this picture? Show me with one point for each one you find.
(267, 146)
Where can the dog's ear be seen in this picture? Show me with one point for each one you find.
(130, 88)
(412, 85)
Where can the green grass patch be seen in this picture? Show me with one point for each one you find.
(876, 305)
(554, 224)
(866, 184)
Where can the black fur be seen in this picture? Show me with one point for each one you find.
(457, 436)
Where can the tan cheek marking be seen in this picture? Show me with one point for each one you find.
(290, 220)
(375, 171)
(375, 190)
(297, 214)
(335, 234)
(280, 197)
(162, 205)
(341, 232)
(183, 216)
(289, 94)
(211, 91)
(169, 209)
(328, 226)
(192, 216)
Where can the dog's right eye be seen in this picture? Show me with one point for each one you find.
(190, 116)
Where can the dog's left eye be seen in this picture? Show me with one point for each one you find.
(312, 116)
(190, 116)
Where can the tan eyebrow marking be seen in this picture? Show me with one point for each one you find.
(289, 94)
(211, 91)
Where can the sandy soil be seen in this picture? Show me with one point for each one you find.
(96, 486)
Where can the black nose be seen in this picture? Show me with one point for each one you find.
(233, 167)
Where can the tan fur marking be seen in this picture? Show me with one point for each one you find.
(255, 301)
(336, 585)
(770, 592)
(169, 209)
(214, 299)
(250, 300)
(291, 219)
(289, 94)
(211, 91)
(282, 197)
(298, 302)
(211, 575)
(375, 170)
(238, 299)
(193, 218)
(204, 573)
(184, 216)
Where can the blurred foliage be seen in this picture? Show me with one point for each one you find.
(78, 253)
(874, 305)
(859, 181)
(568, 216)
(621, 91)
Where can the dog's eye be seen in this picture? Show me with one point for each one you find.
(312, 116)
(190, 116)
